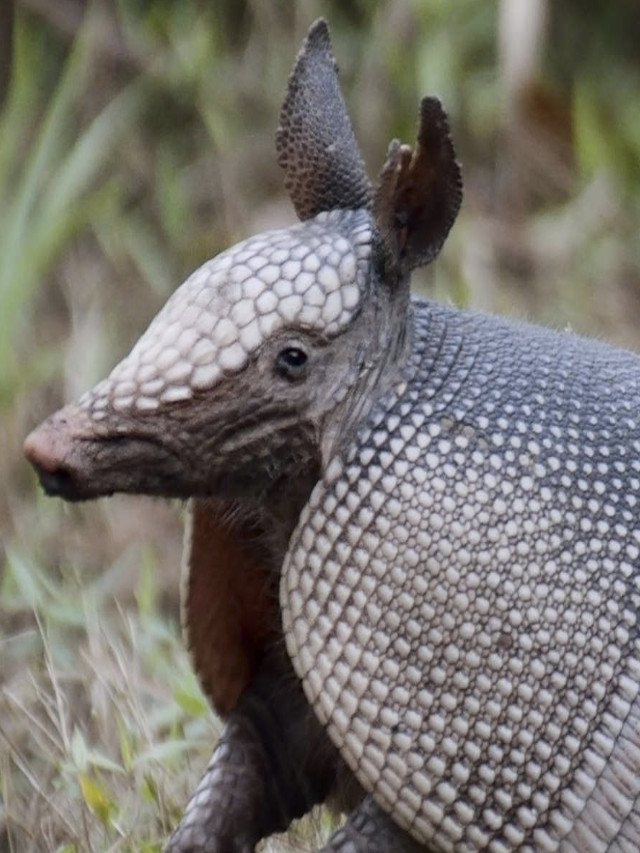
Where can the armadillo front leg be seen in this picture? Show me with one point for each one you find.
(272, 763)
(370, 830)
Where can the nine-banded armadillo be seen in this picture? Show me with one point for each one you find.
(412, 556)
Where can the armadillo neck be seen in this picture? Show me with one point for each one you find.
(382, 338)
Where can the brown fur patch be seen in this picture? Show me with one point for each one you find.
(229, 614)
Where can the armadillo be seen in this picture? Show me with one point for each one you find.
(411, 562)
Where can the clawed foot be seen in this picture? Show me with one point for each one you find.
(197, 838)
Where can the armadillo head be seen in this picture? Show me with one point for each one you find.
(233, 380)
(256, 363)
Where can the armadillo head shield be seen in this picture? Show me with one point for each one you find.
(261, 363)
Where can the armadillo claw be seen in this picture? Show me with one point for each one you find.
(370, 830)
(199, 841)
(221, 815)
(207, 836)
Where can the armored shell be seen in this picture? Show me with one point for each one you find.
(461, 598)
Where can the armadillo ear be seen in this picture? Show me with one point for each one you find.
(315, 142)
(419, 192)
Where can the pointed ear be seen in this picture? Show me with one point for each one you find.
(419, 192)
(315, 142)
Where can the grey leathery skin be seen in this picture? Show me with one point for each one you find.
(411, 582)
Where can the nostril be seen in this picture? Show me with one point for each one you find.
(48, 449)
(57, 477)
(62, 451)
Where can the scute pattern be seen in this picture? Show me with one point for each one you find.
(462, 596)
(310, 276)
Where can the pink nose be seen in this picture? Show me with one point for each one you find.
(52, 449)
(42, 448)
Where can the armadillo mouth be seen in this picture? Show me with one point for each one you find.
(58, 483)
(75, 462)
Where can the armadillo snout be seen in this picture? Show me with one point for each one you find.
(78, 458)
(75, 458)
(50, 449)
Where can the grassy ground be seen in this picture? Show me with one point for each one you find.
(136, 140)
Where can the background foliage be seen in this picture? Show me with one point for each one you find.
(136, 140)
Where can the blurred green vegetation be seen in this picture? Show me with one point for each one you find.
(136, 141)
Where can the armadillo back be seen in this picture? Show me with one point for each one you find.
(462, 595)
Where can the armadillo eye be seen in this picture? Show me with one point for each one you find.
(291, 363)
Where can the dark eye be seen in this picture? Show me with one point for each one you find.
(291, 363)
